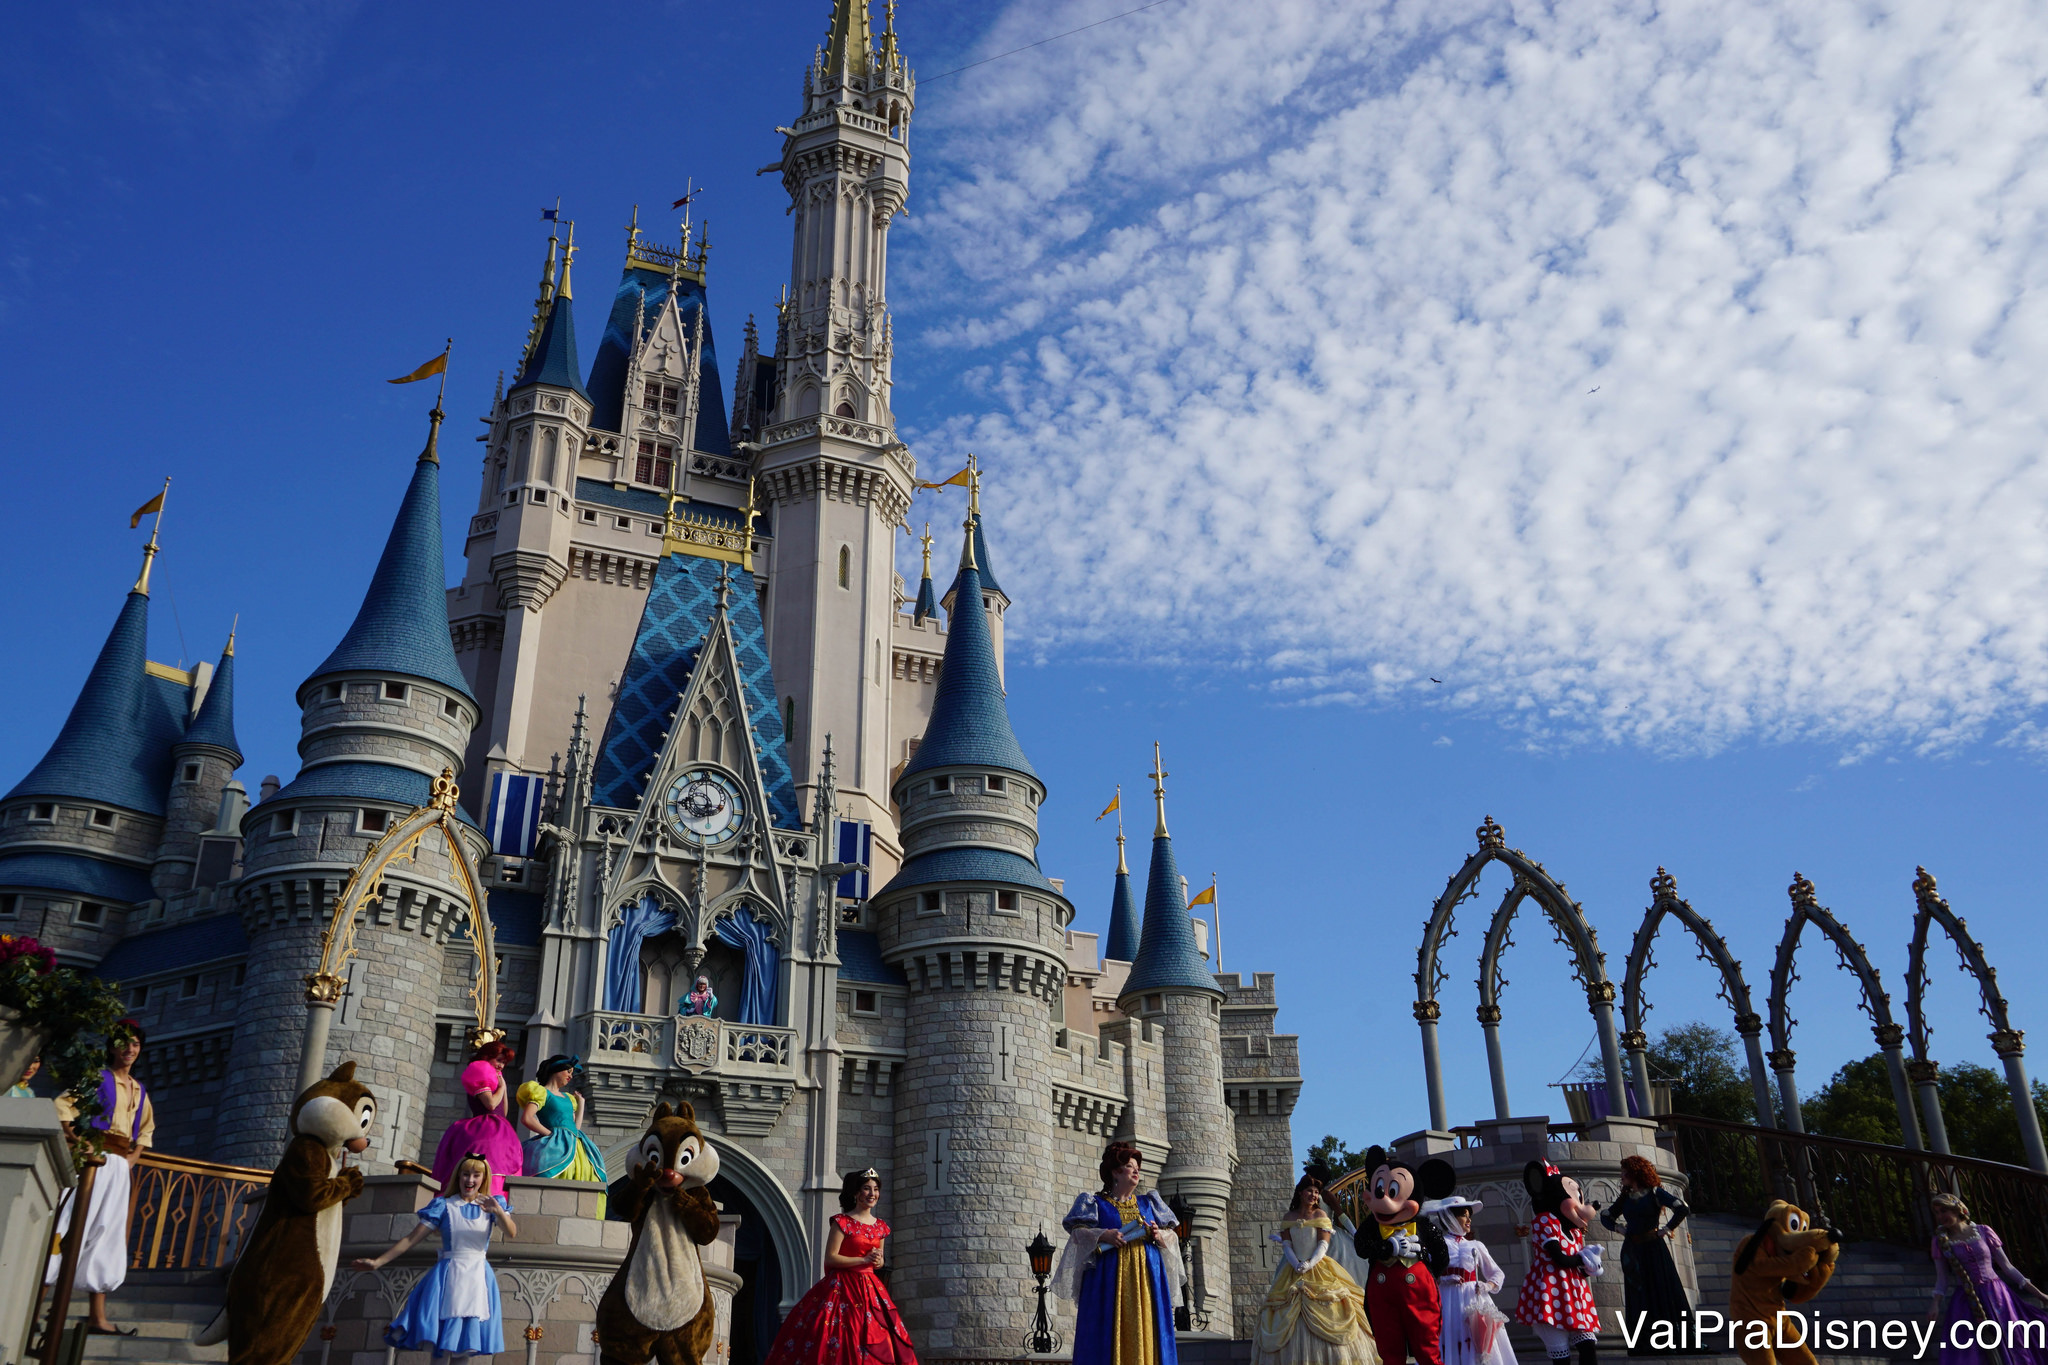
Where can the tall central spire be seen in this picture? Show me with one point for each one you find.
(848, 47)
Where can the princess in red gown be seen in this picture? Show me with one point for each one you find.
(848, 1318)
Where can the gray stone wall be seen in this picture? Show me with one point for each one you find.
(189, 810)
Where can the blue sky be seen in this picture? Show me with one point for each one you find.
(1663, 379)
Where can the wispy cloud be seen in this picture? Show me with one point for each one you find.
(1669, 373)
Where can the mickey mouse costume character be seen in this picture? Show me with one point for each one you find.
(1406, 1252)
(1557, 1293)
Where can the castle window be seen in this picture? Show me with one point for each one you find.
(450, 709)
(90, 912)
(655, 463)
(540, 496)
(191, 772)
(942, 784)
(331, 692)
(865, 1002)
(995, 784)
(845, 567)
(660, 397)
(103, 819)
(1155, 1003)
(788, 717)
(929, 903)
(373, 821)
(287, 822)
(241, 973)
(626, 524)
(844, 409)
(45, 810)
(1006, 902)
(138, 997)
(511, 872)
(394, 691)
(188, 988)
(589, 517)
(10, 906)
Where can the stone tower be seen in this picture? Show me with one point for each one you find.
(979, 935)
(203, 762)
(383, 716)
(837, 479)
(1171, 988)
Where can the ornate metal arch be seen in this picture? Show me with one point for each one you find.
(1806, 908)
(1930, 908)
(1734, 990)
(1567, 921)
(401, 843)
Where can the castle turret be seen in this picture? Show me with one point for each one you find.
(1171, 987)
(384, 715)
(202, 765)
(979, 934)
(1124, 929)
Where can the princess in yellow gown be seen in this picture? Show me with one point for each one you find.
(1314, 1312)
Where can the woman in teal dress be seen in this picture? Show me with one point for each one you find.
(556, 1147)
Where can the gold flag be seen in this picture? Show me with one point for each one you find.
(1115, 803)
(1206, 898)
(155, 504)
(957, 481)
(438, 365)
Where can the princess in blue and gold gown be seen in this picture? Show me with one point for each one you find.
(1122, 1268)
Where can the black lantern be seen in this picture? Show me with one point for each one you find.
(1042, 1340)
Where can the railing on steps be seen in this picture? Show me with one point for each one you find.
(1867, 1191)
(189, 1215)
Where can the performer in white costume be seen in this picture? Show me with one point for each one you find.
(1468, 1289)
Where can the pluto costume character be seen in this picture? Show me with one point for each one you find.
(657, 1307)
(1786, 1261)
(287, 1263)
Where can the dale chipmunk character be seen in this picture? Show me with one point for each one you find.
(657, 1306)
(1405, 1252)
(287, 1264)
(1787, 1260)
(1557, 1292)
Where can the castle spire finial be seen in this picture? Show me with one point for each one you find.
(155, 504)
(1121, 865)
(1158, 776)
(568, 256)
(237, 625)
(848, 48)
(927, 598)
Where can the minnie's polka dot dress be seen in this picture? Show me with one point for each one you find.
(1550, 1296)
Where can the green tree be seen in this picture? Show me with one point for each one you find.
(1705, 1067)
(1856, 1103)
(1333, 1153)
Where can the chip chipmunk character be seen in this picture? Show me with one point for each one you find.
(657, 1306)
(288, 1260)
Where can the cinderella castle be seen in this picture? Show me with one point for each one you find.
(701, 727)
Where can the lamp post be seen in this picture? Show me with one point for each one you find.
(1042, 1339)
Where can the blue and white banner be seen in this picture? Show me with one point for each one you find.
(514, 818)
(856, 845)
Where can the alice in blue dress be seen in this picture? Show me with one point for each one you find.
(1124, 1298)
(453, 1310)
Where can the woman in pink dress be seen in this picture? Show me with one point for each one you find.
(848, 1317)
(488, 1130)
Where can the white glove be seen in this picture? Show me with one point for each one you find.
(1287, 1250)
(1322, 1250)
(1406, 1245)
(1591, 1253)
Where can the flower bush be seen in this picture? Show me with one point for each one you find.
(77, 1010)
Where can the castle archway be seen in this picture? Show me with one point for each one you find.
(1569, 922)
(1734, 990)
(2008, 1042)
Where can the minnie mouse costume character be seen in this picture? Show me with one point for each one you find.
(1557, 1293)
(1406, 1252)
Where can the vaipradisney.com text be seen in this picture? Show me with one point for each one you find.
(1707, 1330)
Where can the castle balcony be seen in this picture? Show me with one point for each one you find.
(747, 1071)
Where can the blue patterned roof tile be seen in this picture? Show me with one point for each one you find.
(860, 959)
(641, 296)
(1124, 930)
(553, 361)
(215, 723)
(970, 865)
(76, 875)
(1167, 959)
(515, 916)
(970, 722)
(355, 782)
(169, 949)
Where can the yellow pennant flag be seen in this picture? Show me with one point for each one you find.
(155, 504)
(1115, 803)
(438, 365)
(1206, 898)
(957, 481)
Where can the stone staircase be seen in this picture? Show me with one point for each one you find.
(167, 1308)
(1874, 1281)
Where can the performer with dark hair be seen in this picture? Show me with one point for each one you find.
(1314, 1312)
(556, 1147)
(848, 1318)
(1122, 1268)
(487, 1130)
(130, 1126)
(1649, 1275)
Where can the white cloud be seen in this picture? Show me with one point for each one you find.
(1667, 374)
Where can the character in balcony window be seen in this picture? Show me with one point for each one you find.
(1314, 1312)
(454, 1310)
(848, 1317)
(1122, 1268)
(129, 1124)
(700, 1002)
(556, 1147)
(487, 1129)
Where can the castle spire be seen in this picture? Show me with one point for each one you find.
(1125, 929)
(927, 601)
(542, 298)
(970, 722)
(848, 47)
(97, 754)
(1167, 958)
(215, 724)
(551, 359)
(402, 626)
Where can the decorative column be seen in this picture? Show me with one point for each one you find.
(1600, 997)
(1788, 1090)
(1751, 1027)
(1892, 1037)
(2010, 1044)
(1496, 1066)
(1637, 1044)
(1427, 1012)
(1922, 1074)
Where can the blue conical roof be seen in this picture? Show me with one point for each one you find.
(1123, 920)
(981, 560)
(114, 747)
(1167, 960)
(927, 601)
(215, 723)
(403, 624)
(970, 724)
(554, 356)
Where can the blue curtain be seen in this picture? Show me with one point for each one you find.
(764, 964)
(622, 961)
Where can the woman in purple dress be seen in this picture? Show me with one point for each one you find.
(1974, 1283)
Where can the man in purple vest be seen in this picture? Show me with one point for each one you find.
(130, 1125)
